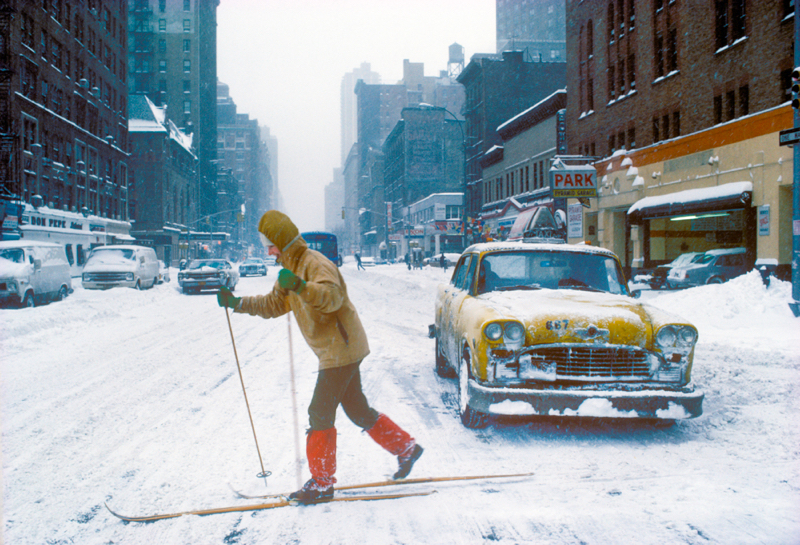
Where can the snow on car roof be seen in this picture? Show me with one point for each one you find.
(502, 246)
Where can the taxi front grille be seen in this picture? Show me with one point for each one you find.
(592, 362)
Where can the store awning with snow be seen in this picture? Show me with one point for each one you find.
(732, 196)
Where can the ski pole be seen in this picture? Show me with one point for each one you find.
(298, 469)
(263, 474)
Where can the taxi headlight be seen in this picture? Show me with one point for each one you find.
(493, 331)
(129, 277)
(514, 332)
(666, 337)
(687, 335)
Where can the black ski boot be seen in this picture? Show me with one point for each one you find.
(407, 462)
(312, 492)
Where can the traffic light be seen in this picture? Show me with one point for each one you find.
(796, 88)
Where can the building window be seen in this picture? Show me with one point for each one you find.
(590, 94)
(187, 86)
(162, 25)
(744, 100)
(621, 73)
(676, 124)
(589, 39)
(658, 49)
(786, 86)
(632, 72)
(162, 86)
(162, 46)
(730, 18)
(187, 46)
(788, 7)
(187, 107)
(162, 5)
(187, 65)
(631, 138)
(656, 131)
(187, 25)
(612, 146)
(610, 23)
(665, 127)
(187, 5)
(718, 109)
(730, 105)
(672, 50)
(612, 83)
(162, 66)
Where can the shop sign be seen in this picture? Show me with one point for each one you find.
(574, 181)
(575, 220)
(763, 220)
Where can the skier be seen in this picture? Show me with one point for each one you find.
(313, 288)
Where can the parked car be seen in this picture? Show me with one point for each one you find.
(368, 261)
(253, 265)
(659, 277)
(124, 265)
(33, 273)
(163, 272)
(712, 267)
(208, 274)
(550, 329)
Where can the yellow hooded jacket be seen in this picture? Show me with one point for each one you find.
(324, 313)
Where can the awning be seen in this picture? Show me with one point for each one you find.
(124, 237)
(730, 196)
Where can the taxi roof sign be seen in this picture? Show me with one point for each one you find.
(573, 181)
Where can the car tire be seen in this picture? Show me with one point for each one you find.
(441, 363)
(715, 280)
(470, 418)
(138, 285)
(62, 293)
(28, 301)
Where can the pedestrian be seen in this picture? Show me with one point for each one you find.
(312, 287)
(443, 262)
(408, 261)
(358, 262)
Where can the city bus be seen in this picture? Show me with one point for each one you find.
(324, 243)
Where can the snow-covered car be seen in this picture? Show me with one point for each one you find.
(120, 266)
(658, 279)
(550, 329)
(368, 261)
(254, 266)
(270, 261)
(163, 272)
(712, 267)
(208, 274)
(32, 273)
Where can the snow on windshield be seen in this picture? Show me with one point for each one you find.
(115, 254)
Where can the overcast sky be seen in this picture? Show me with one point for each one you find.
(284, 61)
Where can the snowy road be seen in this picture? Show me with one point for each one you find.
(133, 398)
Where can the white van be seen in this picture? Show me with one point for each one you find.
(120, 265)
(32, 273)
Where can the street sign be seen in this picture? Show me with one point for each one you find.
(573, 181)
(789, 137)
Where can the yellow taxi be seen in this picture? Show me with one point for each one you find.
(551, 329)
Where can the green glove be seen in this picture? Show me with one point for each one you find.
(290, 281)
(226, 299)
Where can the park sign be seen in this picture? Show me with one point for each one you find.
(573, 181)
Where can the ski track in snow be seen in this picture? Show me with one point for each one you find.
(133, 398)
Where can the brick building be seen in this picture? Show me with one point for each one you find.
(679, 97)
(164, 196)
(498, 88)
(63, 105)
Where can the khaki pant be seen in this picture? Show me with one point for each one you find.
(340, 386)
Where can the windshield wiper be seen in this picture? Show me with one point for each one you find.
(519, 287)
